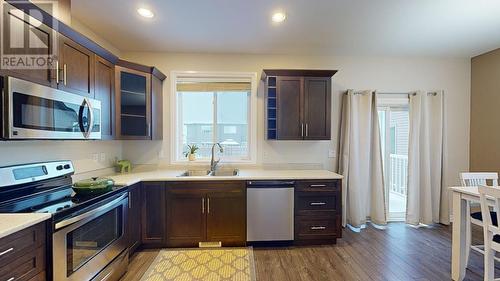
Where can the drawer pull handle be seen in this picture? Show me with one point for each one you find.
(11, 279)
(317, 185)
(6, 251)
(317, 203)
(318, 227)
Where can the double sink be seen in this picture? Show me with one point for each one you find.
(208, 173)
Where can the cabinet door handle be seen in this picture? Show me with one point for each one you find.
(129, 201)
(202, 205)
(208, 205)
(6, 251)
(57, 72)
(11, 279)
(65, 80)
(317, 203)
(307, 130)
(318, 227)
(317, 185)
(302, 129)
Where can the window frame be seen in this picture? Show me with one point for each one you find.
(175, 132)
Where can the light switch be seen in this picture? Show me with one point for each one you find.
(332, 153)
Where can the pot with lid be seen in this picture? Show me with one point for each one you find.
(93, 185)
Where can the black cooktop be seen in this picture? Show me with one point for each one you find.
(75, 204)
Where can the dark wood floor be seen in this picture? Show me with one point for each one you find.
(398, 253)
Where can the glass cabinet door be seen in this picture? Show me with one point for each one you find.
(134, 104)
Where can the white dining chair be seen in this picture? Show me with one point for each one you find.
(491, 231)
(476, 179)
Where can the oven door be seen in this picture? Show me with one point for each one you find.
(40, 112)
(85, 244)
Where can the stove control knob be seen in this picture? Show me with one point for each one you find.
(60, 167)
(58, 209)
(66, 166)
(66, 206)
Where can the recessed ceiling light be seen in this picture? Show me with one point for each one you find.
(145, 12)
(279, 17)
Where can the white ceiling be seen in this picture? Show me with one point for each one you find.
(446, 28)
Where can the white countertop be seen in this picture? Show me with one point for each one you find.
(244, 174)
(11, 223)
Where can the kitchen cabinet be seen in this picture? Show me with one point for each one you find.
(153, 222)
(19, 27)
(226, 216)
(134, 217)
(186, 211)
(318, 212)
(24, 254)
(138, 103)
(298, 104)
(105, 93)
(76, 68)
(206, 212)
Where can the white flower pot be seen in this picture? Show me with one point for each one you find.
(192, 157)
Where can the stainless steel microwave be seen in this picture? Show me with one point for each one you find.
(33, 111)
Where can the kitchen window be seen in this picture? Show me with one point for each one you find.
(214, 107)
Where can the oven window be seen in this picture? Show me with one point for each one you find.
(88, 240)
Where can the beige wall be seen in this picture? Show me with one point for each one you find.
(485, 116)
(383, 74)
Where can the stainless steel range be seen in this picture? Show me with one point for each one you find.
(89, 233)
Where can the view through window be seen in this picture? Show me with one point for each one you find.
(210, 112)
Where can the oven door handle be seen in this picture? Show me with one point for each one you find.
(95, 211)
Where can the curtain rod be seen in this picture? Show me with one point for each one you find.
(412, 93)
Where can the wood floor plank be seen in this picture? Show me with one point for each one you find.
(398, 253)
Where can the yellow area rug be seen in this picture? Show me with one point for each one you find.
(218, 264)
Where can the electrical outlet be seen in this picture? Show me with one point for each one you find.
(95, 157)
(332, 153)
(102, 157)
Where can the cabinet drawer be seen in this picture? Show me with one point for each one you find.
(25, 267)
(323, 228)
(318, 185)
(309, 201)
(24, 241)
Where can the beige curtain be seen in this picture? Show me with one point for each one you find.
(427, 200)
(360, 160)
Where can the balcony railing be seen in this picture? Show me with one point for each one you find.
(399, 174)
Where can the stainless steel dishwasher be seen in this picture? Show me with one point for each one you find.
(270, 211)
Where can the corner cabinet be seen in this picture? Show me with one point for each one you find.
(298, 104)
(138, 103)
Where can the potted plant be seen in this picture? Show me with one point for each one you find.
(191, 152)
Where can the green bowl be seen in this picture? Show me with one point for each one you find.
(93, 186)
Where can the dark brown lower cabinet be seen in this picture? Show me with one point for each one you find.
(24, 254)
(134, 217)
(206, 212)
(153, 214)
(318, 212)
(186, 222)
(226, 216)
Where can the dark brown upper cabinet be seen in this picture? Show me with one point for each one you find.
(21, 30)
(298, 104)
(138, 102)
(105, 92)
(76, 67)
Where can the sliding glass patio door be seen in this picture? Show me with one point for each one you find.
(394, 131)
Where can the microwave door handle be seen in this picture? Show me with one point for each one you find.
(86, 132)
(91, 119)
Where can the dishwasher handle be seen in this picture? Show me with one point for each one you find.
(270, 184)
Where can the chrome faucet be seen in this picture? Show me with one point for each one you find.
(213, 163)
